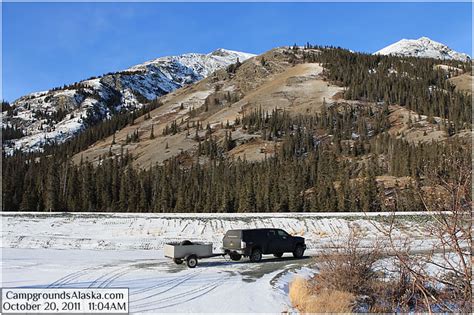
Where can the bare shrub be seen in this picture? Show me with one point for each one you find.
(399, 291)
(451, 209)
(361, 272)
(348, 267)
(440, 280)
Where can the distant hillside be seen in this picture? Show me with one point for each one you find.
(56, 115)
(296, 129)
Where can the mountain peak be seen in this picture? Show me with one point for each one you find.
(422, 47)
(221, 51)
(424, 38)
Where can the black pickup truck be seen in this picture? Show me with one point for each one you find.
(254, 243)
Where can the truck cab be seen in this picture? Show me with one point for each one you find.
(254, 243)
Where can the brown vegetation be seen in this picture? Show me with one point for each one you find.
(351, 278)
(303, 297)
(348, 268)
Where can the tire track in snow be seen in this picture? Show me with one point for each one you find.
(181, 302)
(106, 277)
(108, 282)
(158, 285)
(181, 297)
(67, 279)
(175, 284)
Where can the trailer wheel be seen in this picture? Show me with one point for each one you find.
(178, 261)
(186, 242)
(191, 261)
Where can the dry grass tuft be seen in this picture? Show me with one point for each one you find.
(306, 300)
(299, 292)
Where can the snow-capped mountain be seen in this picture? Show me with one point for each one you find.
(422, 47)
(201, 64)
(58, 114)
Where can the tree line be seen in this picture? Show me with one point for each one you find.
(307, 173)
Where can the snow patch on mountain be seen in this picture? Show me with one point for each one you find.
(201, 64)
(422, 47)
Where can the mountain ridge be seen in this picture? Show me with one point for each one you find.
(56, 115)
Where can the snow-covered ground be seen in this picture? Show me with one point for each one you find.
(125, 250)
(155, 284)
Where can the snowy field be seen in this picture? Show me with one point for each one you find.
(125, 250)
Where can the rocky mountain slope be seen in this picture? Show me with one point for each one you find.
(277, 80)
(55, 115)
(422, 47)
(263, 83)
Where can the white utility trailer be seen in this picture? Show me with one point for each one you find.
(189, 251)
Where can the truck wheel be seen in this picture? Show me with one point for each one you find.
(299, 251)
(235, 256)
(192, 261)
(256, 255)
(278, 255)
(186, 242)
(178, 261)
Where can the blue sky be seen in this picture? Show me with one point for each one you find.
(51, 44)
